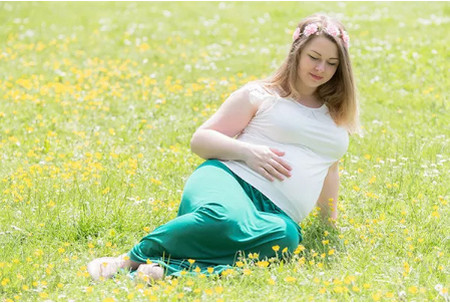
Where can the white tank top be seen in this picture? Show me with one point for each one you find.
(311, 140)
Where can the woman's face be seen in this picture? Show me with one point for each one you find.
(318, 63)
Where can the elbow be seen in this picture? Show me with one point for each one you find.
(197, 144)
(194, 142)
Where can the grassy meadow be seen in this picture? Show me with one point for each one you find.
(98, 102)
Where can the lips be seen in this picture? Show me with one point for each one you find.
(316, 77)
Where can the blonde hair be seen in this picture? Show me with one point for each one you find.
(339, 93)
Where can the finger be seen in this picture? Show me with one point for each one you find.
(266, 174)
(273, 171)
(277, 152)
(283, 163)
(281, 168)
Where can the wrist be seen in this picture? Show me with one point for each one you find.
(244, 153)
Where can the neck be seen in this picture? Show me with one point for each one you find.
(306, 91)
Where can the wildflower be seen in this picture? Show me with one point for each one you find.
(299, 249)
(413, 289)
(389, 295)
(376, 296)
(406, 268)
(290, 279)
(262, 263)
(349, 279)
(253, 255)
(275, 248)
(191, 261)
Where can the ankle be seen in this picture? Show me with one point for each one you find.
(126, 263)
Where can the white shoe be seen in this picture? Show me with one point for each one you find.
(105, 267)
(150, 272)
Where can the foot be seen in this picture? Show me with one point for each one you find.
(150, 272)
(104, 268)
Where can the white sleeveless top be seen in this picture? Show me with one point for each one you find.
(311, 140)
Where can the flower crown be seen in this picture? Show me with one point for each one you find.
(330, 29)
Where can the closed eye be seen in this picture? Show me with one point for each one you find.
(314, 58)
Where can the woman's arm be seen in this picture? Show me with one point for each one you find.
(215, 139)
(329, 195)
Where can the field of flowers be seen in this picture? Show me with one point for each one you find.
(98, 102)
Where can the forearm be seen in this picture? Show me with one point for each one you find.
(328, 198)
(211, 144)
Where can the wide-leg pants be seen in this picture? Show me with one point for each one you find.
(220, 216)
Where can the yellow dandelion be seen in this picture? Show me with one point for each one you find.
(389, 295)
(290, 279)
(191, 261)
(210, 270)
(208, 291)
(276, 248)
(376, 296)
(262, 263)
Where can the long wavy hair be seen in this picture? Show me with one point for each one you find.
(339, 93)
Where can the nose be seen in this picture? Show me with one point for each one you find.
(320, 67)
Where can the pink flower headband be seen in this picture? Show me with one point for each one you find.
(330, 29)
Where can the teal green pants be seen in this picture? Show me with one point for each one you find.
(220, 217)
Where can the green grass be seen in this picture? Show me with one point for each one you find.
(98, 104)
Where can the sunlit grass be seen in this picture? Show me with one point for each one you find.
(98, 104)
